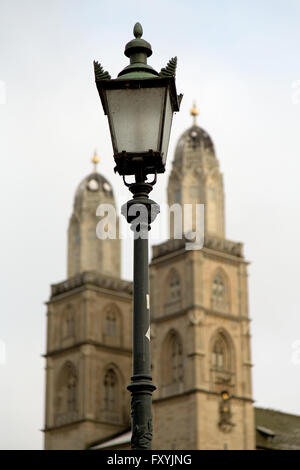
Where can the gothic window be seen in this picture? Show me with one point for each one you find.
(111, 408)
(66, 394)
(219, 293)
(112, 325)
(71, 393)
(174, 287)
(219, 354)
(176, 359)
(110, 390)
(173, 363)
(68, 325)
(221, 360)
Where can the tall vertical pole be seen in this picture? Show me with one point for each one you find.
(141, 386)
(141, 313)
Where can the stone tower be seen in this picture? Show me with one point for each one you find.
(88, 332)
(200, 324)
(196, 179)
(85, 252)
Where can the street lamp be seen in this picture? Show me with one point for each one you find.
(139, 105)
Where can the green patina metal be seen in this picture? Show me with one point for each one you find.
(138, 50)
(170, 69)
(100, 73)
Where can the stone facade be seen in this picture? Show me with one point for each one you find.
(211, 355)
(200, 336)
(89, 337)
(88, 359)
(200, 323)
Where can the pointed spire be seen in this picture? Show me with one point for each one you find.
(95, 160)
(194, 112)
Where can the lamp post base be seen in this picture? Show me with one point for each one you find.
(141, 389)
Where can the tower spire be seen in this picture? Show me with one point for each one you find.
(194, 112)
(95, 161)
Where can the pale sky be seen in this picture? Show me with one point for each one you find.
(240, 61)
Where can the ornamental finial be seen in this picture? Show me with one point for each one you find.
(95, 161)
(138, 30)
(138, 50)
(194, 112)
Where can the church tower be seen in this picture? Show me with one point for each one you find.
(89, 338)
(85, 253)
(200, 334)
(196, 179)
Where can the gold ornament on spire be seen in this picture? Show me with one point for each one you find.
(194, 113)
(95, 161)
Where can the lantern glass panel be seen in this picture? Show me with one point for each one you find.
(136, 118)
(167, 127)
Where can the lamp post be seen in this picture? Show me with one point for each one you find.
(140, 104)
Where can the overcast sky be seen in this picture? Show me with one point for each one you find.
(240, 61)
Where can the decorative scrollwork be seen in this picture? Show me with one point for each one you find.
(142, 436)
(170, 69)
(100, 73)
(141, 433)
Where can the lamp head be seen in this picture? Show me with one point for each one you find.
(139, 105)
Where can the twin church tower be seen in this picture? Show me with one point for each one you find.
(200, 340)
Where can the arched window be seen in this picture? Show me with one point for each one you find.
(110, 390)
(176, 359)
(172, 366)
(221, 353)
(222, 362)
(72, 399)
(66, 394)
(174, 287)
(68, 323)
(219, 293)
(111, 396)
(111, 323)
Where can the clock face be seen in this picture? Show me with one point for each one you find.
(106, 187)
(93, 185)
(194, 134)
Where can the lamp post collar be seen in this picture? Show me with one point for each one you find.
(138, 50)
